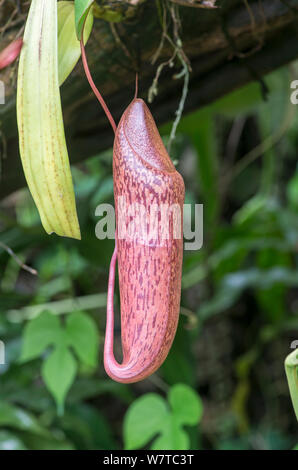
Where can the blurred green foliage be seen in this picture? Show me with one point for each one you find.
(223, 385)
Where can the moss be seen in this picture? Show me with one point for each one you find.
(116, 11)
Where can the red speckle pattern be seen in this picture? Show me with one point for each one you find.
(149, 270)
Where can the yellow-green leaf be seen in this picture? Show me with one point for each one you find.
(69, 50)
(41, 132)
(291, 366)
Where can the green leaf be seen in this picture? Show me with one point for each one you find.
(39, 334)
(201, 131)
(150, 415)
(144, 419)
(272, 300)
(58, 372)
(82, 8)
(9, 441)
(83, 337)
(232, 285)
(251, 208)
(291, 366)
(69, 50)
(90, 425)
(15, 417)
(59, 368)
(39, 116)
(186, 404)
(292, 191)
(56, 441)
(172, 438)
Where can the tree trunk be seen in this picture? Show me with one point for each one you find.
(228, 46)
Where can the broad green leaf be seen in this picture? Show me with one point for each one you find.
(186, 404)
(39, 334)
(39, 115)
(172, 438)
(14, 417)
(151, 415)
(59, 368)
(291, 365)
(9, 441)
(82, 8)
(144, 419)
(58, 371)
(69, 50)
(83, 337)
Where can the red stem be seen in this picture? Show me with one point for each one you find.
(137, 86)
(109, 339)
(95, 90)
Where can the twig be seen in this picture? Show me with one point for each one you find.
(153, 90)
(59, 307)
(180, 109)
(259, 39)
(163, 23)
(159, 382)
(234, 138)
(123, 46)
(18, 260)
(9, 22)
(186, 68)
(192, 318)
(231, 151)
(176, 44)
(177, 27)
